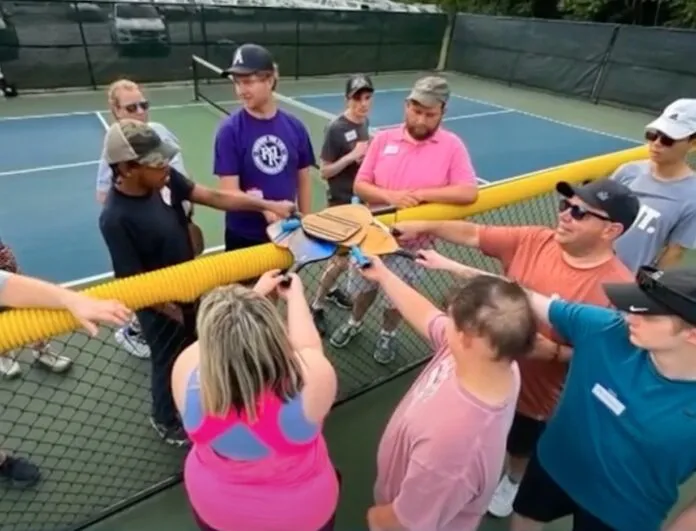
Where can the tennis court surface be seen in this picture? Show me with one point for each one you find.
(88, 429)
(50, 161)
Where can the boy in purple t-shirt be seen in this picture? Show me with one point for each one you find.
(260, 149)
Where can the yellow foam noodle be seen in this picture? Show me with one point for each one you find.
(187, 282)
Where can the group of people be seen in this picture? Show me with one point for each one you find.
(564, 387)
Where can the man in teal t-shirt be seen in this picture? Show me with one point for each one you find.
(623, 437)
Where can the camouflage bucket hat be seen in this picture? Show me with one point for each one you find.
(131, 140)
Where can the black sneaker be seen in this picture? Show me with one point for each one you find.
(19, 472)
(172, 435)
(319, 320)
(339, 298)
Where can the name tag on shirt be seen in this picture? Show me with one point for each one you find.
(351, 135)
(391, 149)
(608, 399)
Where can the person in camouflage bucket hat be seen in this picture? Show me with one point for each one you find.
(145, 227)
(134, 141)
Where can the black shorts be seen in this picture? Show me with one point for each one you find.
(524, 435)
(234, 242)
(541, 499)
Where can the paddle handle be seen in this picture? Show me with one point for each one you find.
(287, 279)
(290, 224)
(360, 259)
(388, 209)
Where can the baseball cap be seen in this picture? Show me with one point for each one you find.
(131, 140)
(358, 82)
(249, 59)
(430, 91)
(612, 197)
(678, 120)
(656, 292)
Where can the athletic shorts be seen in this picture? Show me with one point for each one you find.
(406, 269)
(540, 498)
(524, 435)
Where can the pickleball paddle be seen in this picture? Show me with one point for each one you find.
(279, 232)
(343, 224)
(306, 250)
(379, 241)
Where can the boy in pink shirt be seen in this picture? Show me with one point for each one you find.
(418, 162)
(442, 452)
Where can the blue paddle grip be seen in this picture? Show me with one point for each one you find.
(290, 224)
(359, 257)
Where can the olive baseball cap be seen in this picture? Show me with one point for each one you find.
(430, 91)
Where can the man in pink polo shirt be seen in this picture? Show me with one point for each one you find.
(417, 162)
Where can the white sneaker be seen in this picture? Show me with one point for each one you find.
(132, 343)
(504, 495)
(9, 368)
(51, 360)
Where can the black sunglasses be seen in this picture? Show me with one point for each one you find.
(133, 107)
(653, 135)
(648, 280)
(577, 212)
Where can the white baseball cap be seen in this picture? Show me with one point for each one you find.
(678, 120)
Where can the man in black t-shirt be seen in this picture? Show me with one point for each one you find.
(345, 145)
(144, 223)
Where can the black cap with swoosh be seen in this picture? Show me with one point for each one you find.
(656, 292)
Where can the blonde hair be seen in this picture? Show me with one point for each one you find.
(244, 351)
(118, 86)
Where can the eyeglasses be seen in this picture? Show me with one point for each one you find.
(133, 107)
(652, 135)
(577, 212)
(684, 306)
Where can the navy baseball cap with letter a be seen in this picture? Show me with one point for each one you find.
(249, 59)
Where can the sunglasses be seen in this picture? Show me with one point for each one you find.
(652, 135)
(577, 212)
(133, 107)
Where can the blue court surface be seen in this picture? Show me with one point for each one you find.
(49, 215)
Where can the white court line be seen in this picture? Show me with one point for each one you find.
(49, 168)
(494, 105)
(95, 111)
(102, 120)
(453, 118)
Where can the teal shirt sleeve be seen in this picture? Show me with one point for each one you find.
(574, 321)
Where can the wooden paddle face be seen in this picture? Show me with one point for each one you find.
(378, 242)
(343, 224)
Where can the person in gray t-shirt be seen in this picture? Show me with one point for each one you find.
(345, 145)
(666, 187)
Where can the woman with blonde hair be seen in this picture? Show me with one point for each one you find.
(253, 393)
(126, 100)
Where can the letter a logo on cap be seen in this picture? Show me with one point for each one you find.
(238, 59)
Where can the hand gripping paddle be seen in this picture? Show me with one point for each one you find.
(306, 250)
(280, 231)
(380, 240)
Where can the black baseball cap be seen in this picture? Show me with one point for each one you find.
(612, 197)
(357, 83)
(657, 292)
(250, 59)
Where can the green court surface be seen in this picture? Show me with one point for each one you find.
(89, 430)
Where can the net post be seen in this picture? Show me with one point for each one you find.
(85, 47)
(194, 73)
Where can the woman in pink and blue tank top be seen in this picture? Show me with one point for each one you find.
(253, 393)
